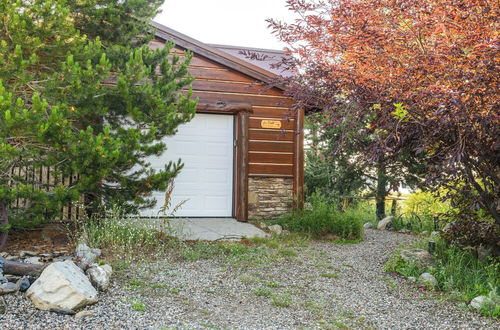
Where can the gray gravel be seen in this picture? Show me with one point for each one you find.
(221, 294)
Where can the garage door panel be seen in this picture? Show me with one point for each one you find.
(205, 146)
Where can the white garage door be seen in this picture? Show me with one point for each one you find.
(205, 146)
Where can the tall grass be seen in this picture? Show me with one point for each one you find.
(321, 219)
(415, 223)
(458, 272)
(120, 235)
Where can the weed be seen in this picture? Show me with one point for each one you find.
(282, 300)
(346, 241)
(329, 275)
(287, 253)
(138, 306)
(159, 286)
(273, 284)
(262, 292)
(120, 265)
(248, 279)
(136, 284)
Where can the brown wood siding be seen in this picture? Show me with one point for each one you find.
(271, 151)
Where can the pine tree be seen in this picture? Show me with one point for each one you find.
(83, 95)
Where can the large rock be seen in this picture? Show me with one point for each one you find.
(417, 256)
(276, 229)
(100, 276)
(62, 287)
(385, 223)
(481, 302)
(427, 280)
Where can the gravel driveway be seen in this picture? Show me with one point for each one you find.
(320, 285)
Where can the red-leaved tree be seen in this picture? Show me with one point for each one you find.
(422, 75)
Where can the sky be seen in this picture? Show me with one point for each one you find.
(227, 22)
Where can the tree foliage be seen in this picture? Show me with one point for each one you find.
(81, 92)
(421, 75)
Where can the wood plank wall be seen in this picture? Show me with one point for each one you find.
(271, 151)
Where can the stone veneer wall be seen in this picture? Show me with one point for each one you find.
(269, 197)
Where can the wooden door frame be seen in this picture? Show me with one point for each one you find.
(242, 112)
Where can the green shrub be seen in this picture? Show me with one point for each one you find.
(458, 272)
(321, 218)
(426, 204)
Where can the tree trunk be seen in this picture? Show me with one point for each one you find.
(394, 207)
(4, 222)
(381, 192)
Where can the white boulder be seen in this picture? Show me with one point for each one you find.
(62, 287)
(385, 223)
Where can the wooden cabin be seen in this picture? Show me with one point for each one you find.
(243, 151)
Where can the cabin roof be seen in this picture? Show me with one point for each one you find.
(268, 59)
(230, 56)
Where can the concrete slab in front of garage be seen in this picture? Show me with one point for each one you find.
(207, 229)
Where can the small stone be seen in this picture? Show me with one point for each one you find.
(23, 284)
(87, 261)
(479, 302)
(412, 279)
(34, 260)
(99, 277)
(63, 258)
(428, 280)
(368, 225)
(424, 233)
(97, 252)
(276, 229)
(108, 269)
(405, 231)
(7, 288)
(83, 314)
(285, 232)
(484, 253)
(385, 223)
(262, 225)
(82, 250)
(418, 256)
(435, 234)
(23, 254)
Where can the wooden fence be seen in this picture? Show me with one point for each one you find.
(43, 178)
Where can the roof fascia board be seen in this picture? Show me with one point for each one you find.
(214, 54)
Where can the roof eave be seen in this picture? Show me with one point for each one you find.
(216, 55)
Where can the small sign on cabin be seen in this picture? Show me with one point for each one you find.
(270, 124)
